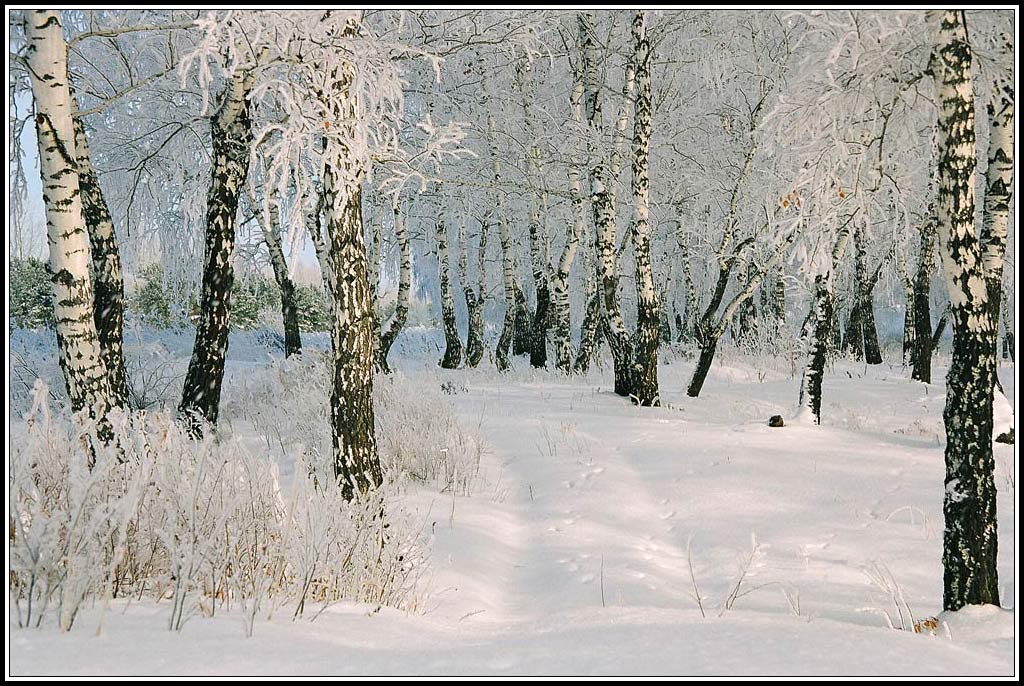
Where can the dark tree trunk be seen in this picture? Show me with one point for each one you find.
(921, 358)
(522, 337)
(475, 334)
(475, 301)
(940, 329)
(707, 356)
(232, 134)
(108, 282)
(453, 344)
(872, 350)
(539, 327)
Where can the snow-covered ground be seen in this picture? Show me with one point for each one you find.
(600, 538)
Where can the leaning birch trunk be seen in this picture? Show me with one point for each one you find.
(78, 347)
(713, 331)
(823, 323)
(270, 225)
(645, 342)
(314, 227)
(108, 281)
(970, 539)
(232, 133)
(398, 319)
(453, 344)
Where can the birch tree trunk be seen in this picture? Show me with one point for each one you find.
(108, 280)
(713, 331)
(356, 463)
(998, 187)
(270, 226)
(970, 540)
(645, 342)
(474, 301)
(822, 322)
(508, 264)
(231, 131)
(78, 346)
(602, 193)
(522, 338)
(453, 344)
(373, 253)
(539, 260)
(404, 286)
(921, 357)
(561, 312)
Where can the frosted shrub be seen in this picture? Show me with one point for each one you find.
(418, 434)
(200, 524)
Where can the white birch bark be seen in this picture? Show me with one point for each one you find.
(79, 353)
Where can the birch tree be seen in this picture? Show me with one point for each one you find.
(645, 341)
(969, 507)
(108, 281)
(231, 132)
(80, 354)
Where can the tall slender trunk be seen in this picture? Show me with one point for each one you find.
(822, 323)
(231, 130)
(602, 179)
(908, 312)
(388, 338)
(508, 265)
(474, 298)
(539, 261)
(970, 540)
(921, 357)
(998, 186)
(270, 226)
(687, 325)
(79, 352)
(108, 281)
(645, 342)
(373, 254)
(560, 279)
(453, 344)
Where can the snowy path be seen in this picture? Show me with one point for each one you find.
(570, 556)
